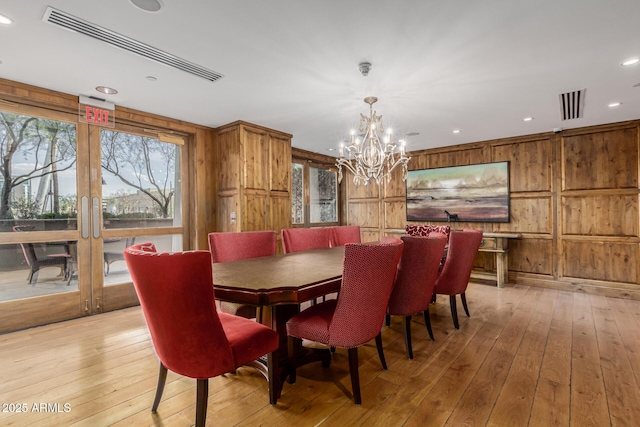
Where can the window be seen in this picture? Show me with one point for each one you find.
(314, 194)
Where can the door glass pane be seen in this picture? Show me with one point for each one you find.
(38, 173)
(115, 269)
(140, 181)
(323, 188)
(297, 194)
(38, 192)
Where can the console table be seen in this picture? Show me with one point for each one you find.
(498, 243)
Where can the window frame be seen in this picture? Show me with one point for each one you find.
(307, 164)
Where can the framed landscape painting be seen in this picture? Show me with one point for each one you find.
(473, 193)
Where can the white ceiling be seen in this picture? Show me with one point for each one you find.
(477, 66)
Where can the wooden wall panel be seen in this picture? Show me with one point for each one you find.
(459, 157)
(371, 191)
(609, 261)
(255, 154)
(225, 206)
(279, 211)
(397, 187)
(280, 163)
(584, 215)
(530, 164)
(531, 256)
(365, 214)
(254, 217)
(369, 235)
(528, 215)
(417, 162)
(395, 214)
(607, 159)
(228, 162)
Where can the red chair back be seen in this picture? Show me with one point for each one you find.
(303, 239)
(345, 234)
(426, 230)
(234, 246)
(176, 294)
(368, 275)
(463, 247)
(417, 274)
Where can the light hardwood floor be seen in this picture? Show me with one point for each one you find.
(527, 356)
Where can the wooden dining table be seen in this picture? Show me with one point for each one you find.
(278, 285)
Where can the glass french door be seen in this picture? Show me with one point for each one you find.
(72, 196)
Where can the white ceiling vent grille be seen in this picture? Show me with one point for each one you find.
(572, 104)
(70, 22)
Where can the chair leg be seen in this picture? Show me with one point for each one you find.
(381, 351)
(387, 320)
(463, 297)
(202, 398)
(294, 348)
(454, 311)
(274, 376)
(427, 321)
(162, 379)
(406, 322)
(355, 377)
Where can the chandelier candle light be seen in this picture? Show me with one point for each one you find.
(372, 158)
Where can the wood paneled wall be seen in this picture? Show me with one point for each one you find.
(574, 198)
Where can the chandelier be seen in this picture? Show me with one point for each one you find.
(373, 157)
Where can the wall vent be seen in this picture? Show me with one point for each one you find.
(572, 104)
(70, 22)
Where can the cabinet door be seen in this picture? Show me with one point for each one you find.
(280, 163)
(256, 156)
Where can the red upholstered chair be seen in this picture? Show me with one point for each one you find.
(226, 247)
(342, 235)
(302, 239)
(416, 278)
(190, 337)
(356, 317)
(454, 278)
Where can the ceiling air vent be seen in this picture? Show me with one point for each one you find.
(572, 104)
(70, 22)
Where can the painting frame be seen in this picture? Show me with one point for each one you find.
(469, 193)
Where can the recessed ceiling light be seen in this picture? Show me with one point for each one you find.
(4, 19)
(456, 131)
(151, 78)
(527, 119)
(331, 149)
(147, 5)
(106, 90)
(614, 104)
(630, 61)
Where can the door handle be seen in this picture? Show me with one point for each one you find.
(84, 209)
(96, 217)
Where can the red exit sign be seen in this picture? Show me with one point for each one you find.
(95, 115)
